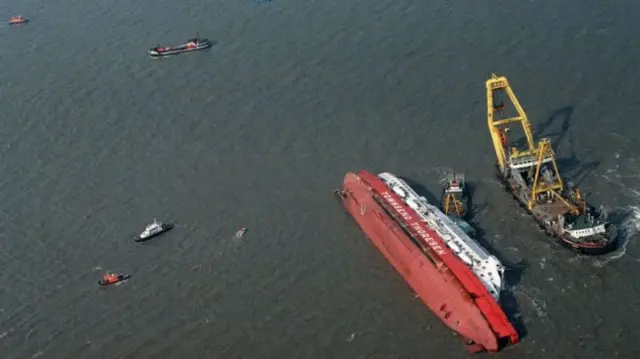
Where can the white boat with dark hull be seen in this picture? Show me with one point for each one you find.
(484, 265)
(194, 44)
(152, 230)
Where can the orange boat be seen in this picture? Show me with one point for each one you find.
(443, 282)
(112, 278)
(16, 20)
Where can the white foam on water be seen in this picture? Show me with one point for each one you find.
(533, 296)
(627, 230)
(629, 225)
(237, 237)
(442, 173)
(5, 334)
(612, 176)
(351, 337)
(542, 262)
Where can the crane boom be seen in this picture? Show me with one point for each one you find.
(530, 159)
(493, 85)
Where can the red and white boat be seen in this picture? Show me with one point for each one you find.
(17, 20)
(433, 267)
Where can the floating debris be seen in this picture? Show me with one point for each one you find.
(351, 337)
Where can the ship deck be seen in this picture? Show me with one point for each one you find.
(555, 208)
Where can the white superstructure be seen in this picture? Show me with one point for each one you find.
(485, 266)
(152, 229)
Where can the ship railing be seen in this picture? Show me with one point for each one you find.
(463, 247)
(528, 161)
(454, 231)
(448, 233)
(453, 189)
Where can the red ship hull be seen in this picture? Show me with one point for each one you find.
(423, 269)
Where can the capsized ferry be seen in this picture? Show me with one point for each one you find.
(484, 265)
(442, 280)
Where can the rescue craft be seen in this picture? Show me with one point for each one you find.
(191, 45)
(445, 284)
(455, 197)
(455, 202)
(17, 20)
(112, 278)
(153, 229)
(531, 175)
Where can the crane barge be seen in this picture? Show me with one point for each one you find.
(531, 175)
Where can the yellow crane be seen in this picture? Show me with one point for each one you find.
(454, 194)
(453, 206)
(530, 159)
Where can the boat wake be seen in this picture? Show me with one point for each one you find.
(442, 173)
(626, 218)
(618, 182)
(628, 227)
(533, 296)
(351, 337)
(5, 334)
(239, 234)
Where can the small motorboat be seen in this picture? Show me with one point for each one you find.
(240, 232)
(16, 20)
(194, 44)
(112, 278)
(153, 229)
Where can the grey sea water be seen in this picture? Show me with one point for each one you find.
(97, 139)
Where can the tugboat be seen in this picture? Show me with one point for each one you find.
(17, 20)
(154, 229)
(455, 201)
(531, 175)
(112, 278)
(455, 197)
(194, 44)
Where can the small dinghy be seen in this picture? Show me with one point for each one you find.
(240, 232)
